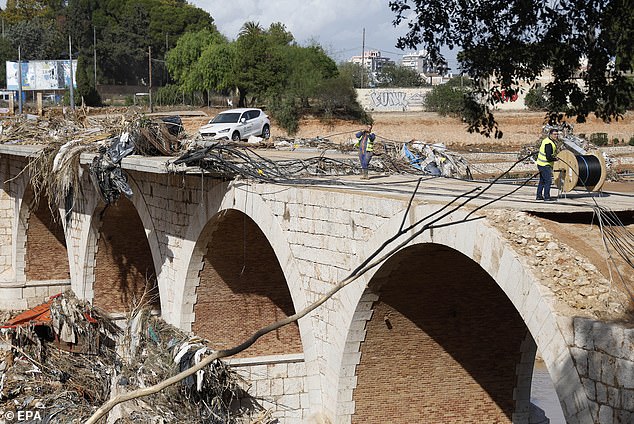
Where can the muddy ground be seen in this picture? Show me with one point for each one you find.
(518, 128)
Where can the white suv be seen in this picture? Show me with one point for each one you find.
(237, 124)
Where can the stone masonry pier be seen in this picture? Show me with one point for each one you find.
(444, 328)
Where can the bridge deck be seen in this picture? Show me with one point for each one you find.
(432, 189)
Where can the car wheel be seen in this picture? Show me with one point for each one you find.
(235, 136)
(266, 132)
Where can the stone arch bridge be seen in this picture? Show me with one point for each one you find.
(444, 328)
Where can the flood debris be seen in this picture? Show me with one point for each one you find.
(435, 159)
(55, 171)
(64, 359)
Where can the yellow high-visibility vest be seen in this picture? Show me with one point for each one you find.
(541, 158)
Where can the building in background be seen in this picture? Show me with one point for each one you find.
(373, 62)
(421, 62)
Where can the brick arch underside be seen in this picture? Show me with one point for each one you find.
(124, 270)
(442, 345)
(46, 253)
(242, 288)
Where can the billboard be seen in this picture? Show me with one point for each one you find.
(41, 75)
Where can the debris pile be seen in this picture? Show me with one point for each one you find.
(64, 359)
(55, 172)
(57, 361)
(434, 159)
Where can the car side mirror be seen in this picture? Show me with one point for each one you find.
(243, 120)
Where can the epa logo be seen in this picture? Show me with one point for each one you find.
(17, 416)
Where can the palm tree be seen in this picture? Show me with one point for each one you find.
(250, 28)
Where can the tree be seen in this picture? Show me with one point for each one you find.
(85, 82)
(259, 65)
(586, 44)
(398, 76)
(536, 99)
(450, 98)
(355, 73)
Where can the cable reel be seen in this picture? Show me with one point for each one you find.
(586, 171)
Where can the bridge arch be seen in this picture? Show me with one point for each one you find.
(488, 255)
(231, 198)
(119, 268)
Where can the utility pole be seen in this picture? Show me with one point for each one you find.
(19, 81)
(150, 72)
(72, 83)
(363, 59)
(94, 48)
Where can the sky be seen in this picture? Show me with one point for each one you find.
(337, 25)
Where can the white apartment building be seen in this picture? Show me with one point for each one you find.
(371, 60)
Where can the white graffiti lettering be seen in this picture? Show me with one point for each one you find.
(389, 99)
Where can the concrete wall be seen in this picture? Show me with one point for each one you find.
(412, 99)
(392, 99)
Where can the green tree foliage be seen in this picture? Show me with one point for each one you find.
(507, 42)
(201, 60)
(308, 68)
(38, 39)
(450, 98)
(124, 30)
(399, 76)
(267, 67)
(259, 65)
(355, 73)
(85, 83)
(536, 99)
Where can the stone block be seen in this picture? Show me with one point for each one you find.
(580, 357)
(590, 388)
(277, 387)
(594, 366)
(623, 417)
(277, 370)
(608, 338)
(614, 397)
(345, 408)
(262, 388)
(304, 401)
(296, 369)
(628, 344)
(627, 400)
(606, 415)
(608, 370)
(289, 401)
(625, 373)
(293, 385)
(583, 333)
(602, 393)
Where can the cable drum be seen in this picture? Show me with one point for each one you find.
(589, 170)
(585, 171)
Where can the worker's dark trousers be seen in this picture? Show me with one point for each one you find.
(365, 158)
(545, 180)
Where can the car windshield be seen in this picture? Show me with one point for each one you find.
(225, 118)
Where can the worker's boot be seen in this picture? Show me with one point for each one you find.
(365, 174)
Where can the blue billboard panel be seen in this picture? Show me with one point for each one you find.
(41, 75)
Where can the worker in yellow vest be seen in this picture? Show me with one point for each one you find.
(545, 161)
(365, 144)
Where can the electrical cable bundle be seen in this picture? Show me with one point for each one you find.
(587, 171)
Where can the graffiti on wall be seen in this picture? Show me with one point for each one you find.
(394, 100)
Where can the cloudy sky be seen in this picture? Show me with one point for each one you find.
(337, 25)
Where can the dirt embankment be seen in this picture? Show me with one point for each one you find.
(519, 128)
